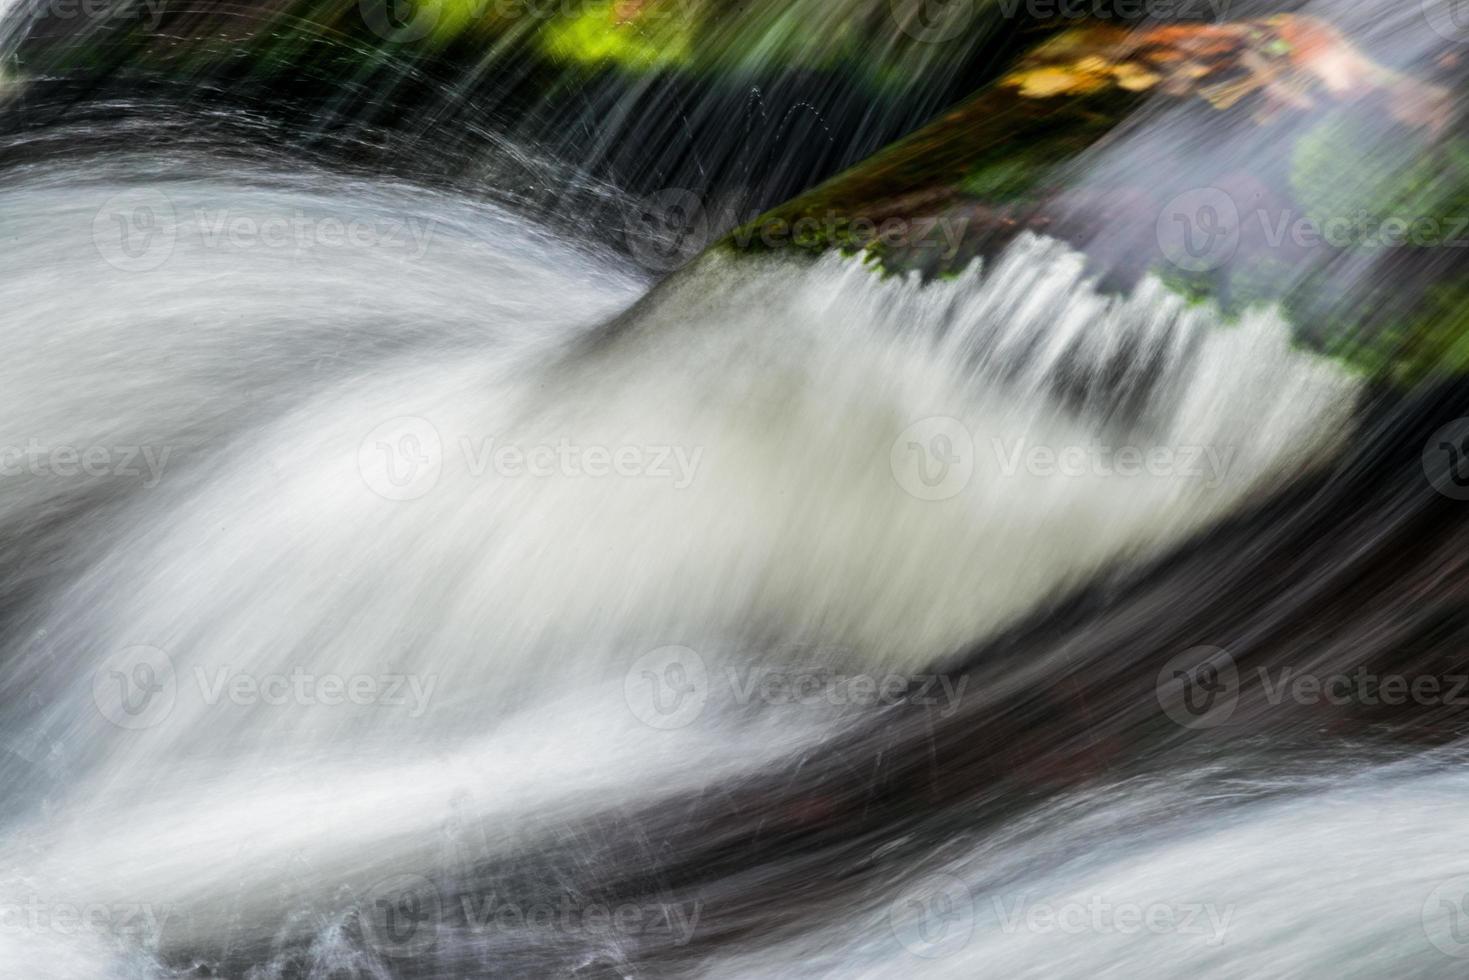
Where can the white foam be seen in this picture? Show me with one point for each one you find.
(271, 548)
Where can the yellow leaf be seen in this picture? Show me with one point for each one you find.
(1041, 83)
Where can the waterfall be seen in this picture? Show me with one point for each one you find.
(379, 467)
(411, 569)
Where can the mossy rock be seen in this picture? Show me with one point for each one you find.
(1003, 162)
(998, 160)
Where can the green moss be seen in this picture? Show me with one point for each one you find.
(1002, 180)
(712, 37)
(1442, 342)
(597, 35)
(1386, 334)
(1196, 288)
(1434, 342)
(1350, 175)
(798, 34)
(1257, 280)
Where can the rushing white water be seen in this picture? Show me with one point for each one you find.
(1357, 876)
(763, 457)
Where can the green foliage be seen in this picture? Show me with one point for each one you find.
(1351, 173)
(1431, 341)
(1196, 288)
(596, 34)
(1002, 180)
